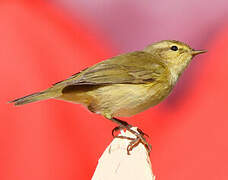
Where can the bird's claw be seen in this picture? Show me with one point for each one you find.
(133, 141)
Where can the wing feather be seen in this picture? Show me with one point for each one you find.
(132, 68)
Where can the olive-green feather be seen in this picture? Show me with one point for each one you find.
(132, 68)
(47, 94)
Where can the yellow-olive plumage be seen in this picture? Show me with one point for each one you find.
(126, 84)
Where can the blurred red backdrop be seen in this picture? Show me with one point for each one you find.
(57, 140)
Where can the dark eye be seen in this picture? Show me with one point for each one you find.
(174, 48)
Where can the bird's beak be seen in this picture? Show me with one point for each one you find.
(196, 52)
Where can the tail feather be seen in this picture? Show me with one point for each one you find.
(31, 98)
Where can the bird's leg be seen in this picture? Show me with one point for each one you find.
(118, 128)
(141, 132)
(122, 126)
(134, 142)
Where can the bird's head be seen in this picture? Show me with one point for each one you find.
(175, 54)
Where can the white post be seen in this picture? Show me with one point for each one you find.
(116, 164)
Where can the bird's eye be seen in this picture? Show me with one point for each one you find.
(174, 48)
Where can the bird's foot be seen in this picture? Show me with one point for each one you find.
(139, 139)
(119, 128)
(133, 141)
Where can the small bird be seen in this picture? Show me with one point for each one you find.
(124, 85)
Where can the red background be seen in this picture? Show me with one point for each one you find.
(40, 45)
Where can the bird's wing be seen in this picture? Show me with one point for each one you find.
(132, 68)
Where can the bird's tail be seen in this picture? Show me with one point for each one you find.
(34, 97)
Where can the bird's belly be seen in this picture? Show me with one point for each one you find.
(127, 99)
